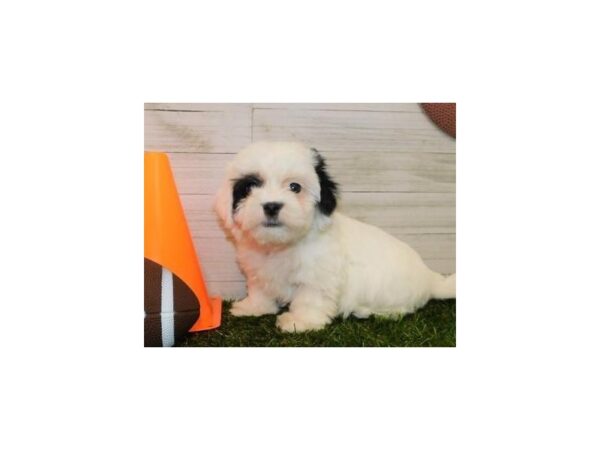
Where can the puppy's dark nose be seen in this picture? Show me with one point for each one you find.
(272, 208)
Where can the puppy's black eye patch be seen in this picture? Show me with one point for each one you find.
(243, 186)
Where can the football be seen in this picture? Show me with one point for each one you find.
(170, 306)
(443, 115)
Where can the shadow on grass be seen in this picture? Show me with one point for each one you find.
(432, 326)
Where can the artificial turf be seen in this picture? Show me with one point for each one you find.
(432, 326)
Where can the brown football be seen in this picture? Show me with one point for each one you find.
(170, 306)
(443, 115)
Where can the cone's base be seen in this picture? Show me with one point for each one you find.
(216, 305)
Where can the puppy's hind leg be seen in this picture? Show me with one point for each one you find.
(256, 304)
(309, 310)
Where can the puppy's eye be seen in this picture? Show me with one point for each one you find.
(295, 187)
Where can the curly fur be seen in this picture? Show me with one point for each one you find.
(320, 262)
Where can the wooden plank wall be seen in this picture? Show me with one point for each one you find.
(395, 168)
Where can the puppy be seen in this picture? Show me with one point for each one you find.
(279, 204)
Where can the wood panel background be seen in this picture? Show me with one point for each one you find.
(395, 168)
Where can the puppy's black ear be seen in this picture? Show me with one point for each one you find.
(329, 188)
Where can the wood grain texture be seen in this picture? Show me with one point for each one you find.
(198, 173)
(209, 131)
(352, 130)
(397, 107)
(228, 290)
(403, 213)
(197, 107)
(375, 171)
(396, 170)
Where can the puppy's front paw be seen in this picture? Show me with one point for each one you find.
(247, 307)
(291, 323)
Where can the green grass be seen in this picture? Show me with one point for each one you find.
(432, 326)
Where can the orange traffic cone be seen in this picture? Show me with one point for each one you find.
(175, 297)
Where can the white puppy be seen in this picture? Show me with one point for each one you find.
(278, 202)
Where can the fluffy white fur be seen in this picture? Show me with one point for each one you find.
(321, 265)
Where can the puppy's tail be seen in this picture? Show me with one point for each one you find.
(443, 287)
